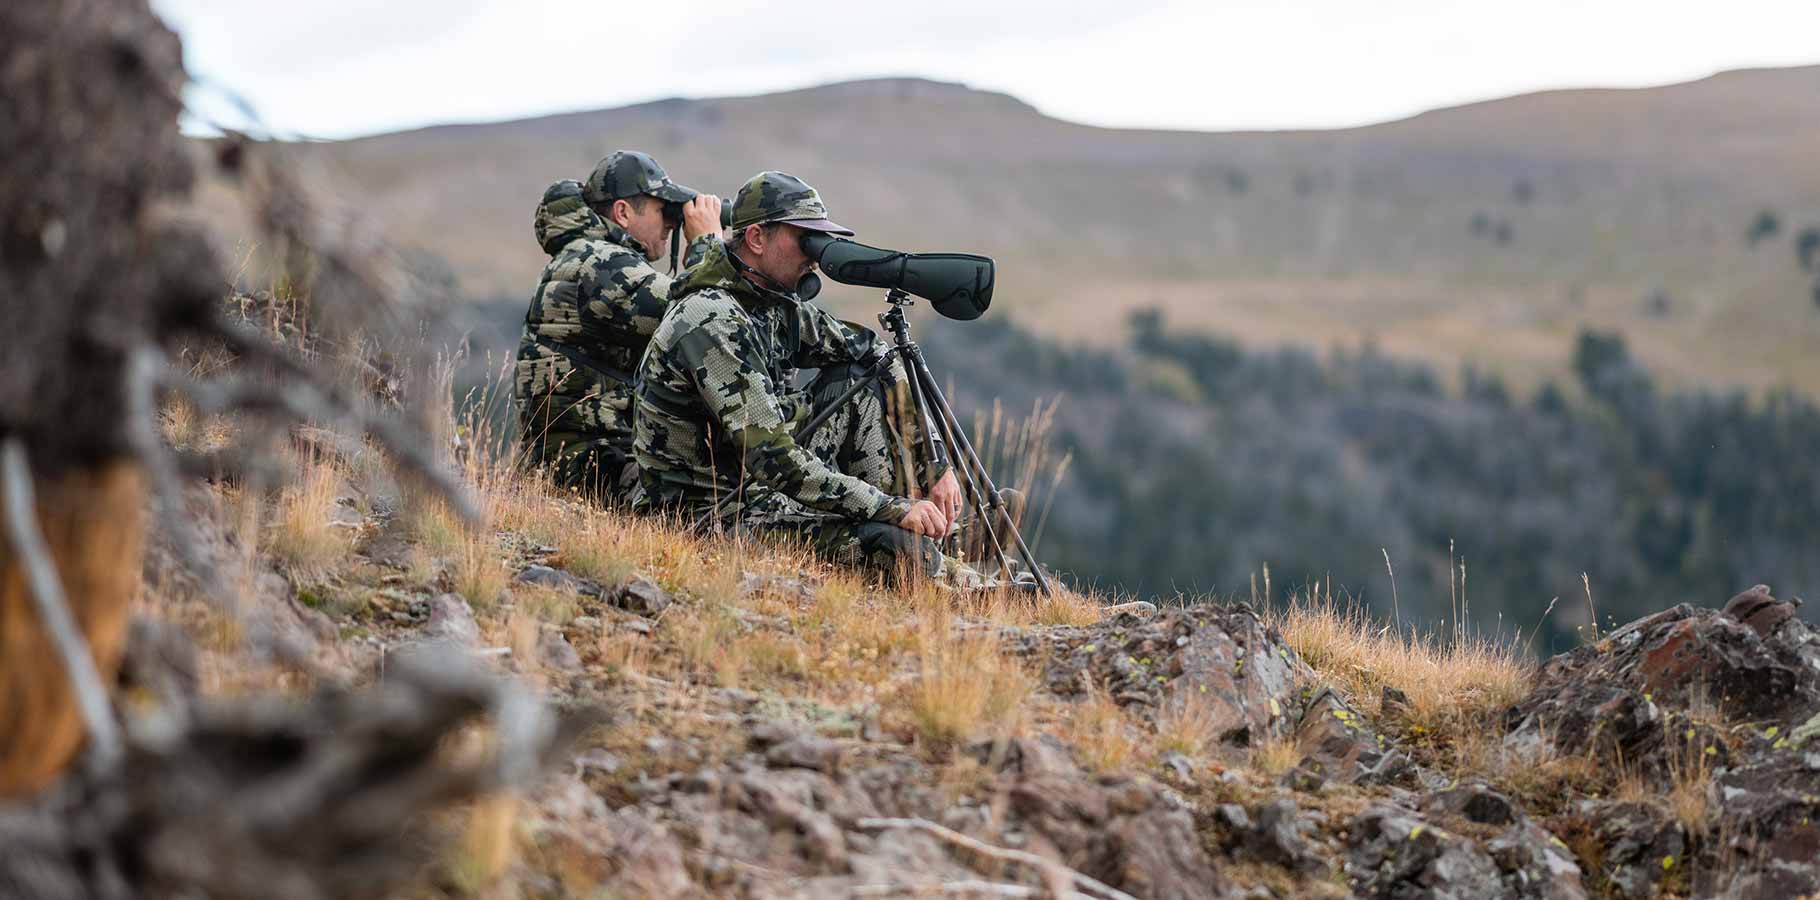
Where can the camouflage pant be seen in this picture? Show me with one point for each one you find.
(873, 437)
(599, 470)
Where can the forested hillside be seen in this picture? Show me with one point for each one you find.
(1197, 463)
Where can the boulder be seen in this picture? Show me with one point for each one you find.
(555, 652)
(784, 820)
(1629, 694)
(1392, 853)
(1221, 656)
(547, 577)
(451, 619)
(641, 595)
(1337, 743)
(1641, 847)
(1533, 863)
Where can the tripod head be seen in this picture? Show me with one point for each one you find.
(893, 320)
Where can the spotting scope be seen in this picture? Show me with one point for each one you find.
(958, 285)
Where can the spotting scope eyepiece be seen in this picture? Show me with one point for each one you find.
(958, 285)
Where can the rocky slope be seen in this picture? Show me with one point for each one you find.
(777, 729)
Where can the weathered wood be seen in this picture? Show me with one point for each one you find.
(93, 524)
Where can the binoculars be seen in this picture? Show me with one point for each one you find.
(673, 213)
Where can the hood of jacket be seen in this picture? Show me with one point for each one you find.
(563, 217)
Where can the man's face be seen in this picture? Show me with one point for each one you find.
(648, 225)
(779, 254)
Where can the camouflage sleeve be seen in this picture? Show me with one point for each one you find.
(722, 352)
(622, 289)
(698, 248)
(827, 341)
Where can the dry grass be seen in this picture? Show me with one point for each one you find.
(1104, 740)
(480, 574)
(965, 686)
(301, 535)
(488, 844)
(1453, 684)
(548, 605)
(600, 547)
(1690, 792)
(1005, 607)
(707, 643)
(624, 655)
(1275, 756)
(1186, 725)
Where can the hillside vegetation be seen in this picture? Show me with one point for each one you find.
(1196, 464)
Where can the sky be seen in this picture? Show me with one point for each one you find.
(341, 68)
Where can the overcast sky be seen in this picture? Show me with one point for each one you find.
(337, 68)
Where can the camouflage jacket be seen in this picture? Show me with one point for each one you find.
(716, 408)
(599, 296)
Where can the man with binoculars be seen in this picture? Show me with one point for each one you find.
(717, 407)
(595, 307)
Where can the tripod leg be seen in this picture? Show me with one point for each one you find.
(977, 493)
(987, 501)
(966, 451)
(950, 429)
(922, 411)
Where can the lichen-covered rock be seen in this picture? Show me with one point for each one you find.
(452, 619)
(1770, 817)
(1641, 847)
(1221, 656)
(1274, 835)
(1628, 695)
(1533, 863)
(1338, 744)
(1394, 854)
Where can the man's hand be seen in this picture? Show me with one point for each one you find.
(926, 519)
(946, 495)
(701, 216)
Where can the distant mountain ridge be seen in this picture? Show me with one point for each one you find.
(1485, 233)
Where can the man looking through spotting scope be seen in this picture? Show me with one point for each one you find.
(717, 408)
(594, 309)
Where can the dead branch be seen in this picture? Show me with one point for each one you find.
(309, 396)
(46, 588)
(256, 797)
(970, 888)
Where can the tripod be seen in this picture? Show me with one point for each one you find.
(927, 397)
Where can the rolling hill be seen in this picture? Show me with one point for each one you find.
(1486, 233)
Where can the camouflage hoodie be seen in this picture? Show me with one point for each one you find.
(600, 300)
(715, 406)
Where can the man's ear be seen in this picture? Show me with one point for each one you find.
(620, 212)
(752, 237)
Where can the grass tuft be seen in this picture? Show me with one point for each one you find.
(301, 535)
(1453, 684)
(965, 686)
(1104, 740)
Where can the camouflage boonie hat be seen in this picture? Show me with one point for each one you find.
(628, 173)
(777, 197)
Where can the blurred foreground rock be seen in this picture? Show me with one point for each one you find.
(260, 797)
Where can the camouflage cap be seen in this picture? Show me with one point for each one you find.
(628, 173)
(777, 197)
